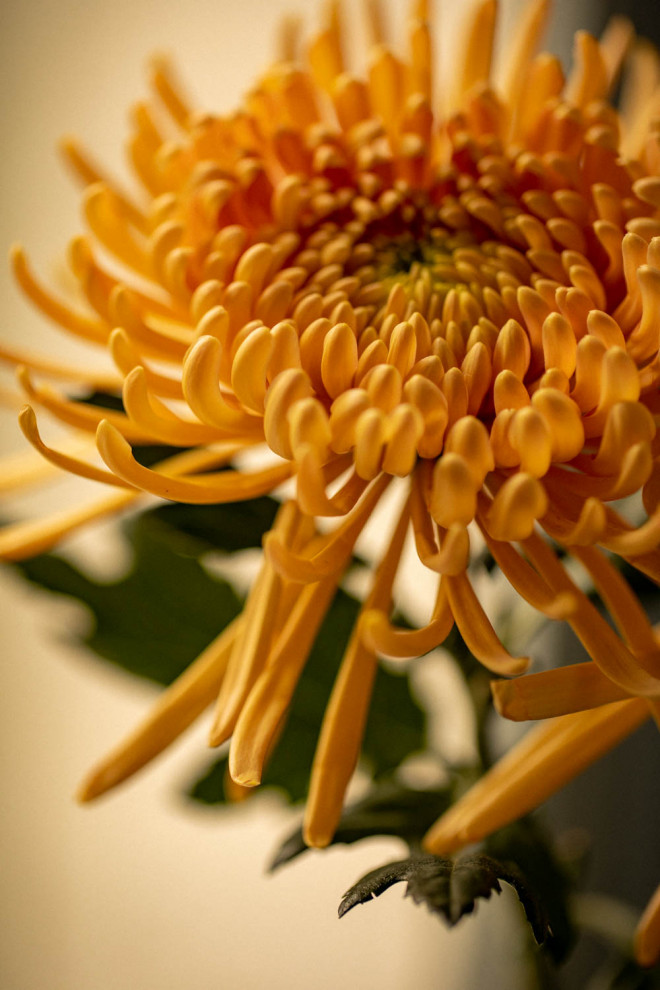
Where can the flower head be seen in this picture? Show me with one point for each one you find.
(454, 282)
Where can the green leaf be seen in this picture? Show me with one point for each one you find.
(104, 400)
(231, 527)
(388, 809)
(157, 618)
(449, 887)
(210, 787)
(395, 727)
(524, 845)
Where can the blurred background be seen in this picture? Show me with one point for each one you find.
(143, 889)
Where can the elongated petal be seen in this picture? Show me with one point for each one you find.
(477, 631)
(250, 651)
(207, 489)
(343, 724)
(86, 327)
(546, 759)
(25, 539)
(607, 650)
(271, 695)
(54, 369)
(28, 423)
(21, 540)
(80, 415)
(176, 709)
(555, 692)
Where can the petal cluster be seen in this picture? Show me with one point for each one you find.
(450, 279)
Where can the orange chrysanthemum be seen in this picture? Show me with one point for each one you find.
(455, 283)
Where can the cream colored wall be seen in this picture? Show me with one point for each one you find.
(141, 890)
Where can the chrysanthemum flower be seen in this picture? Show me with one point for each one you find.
(452, 280)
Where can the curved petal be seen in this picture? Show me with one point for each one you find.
(205, 489)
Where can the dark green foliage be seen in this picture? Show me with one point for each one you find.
(237, 526)
(396, 724)
(450, 887)
(104, 400)
(524, 844)
(209, 788)
(149, 455)
(518, 855)
(156, 619)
